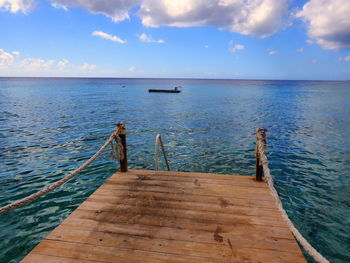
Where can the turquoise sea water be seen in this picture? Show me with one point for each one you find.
(48, 127)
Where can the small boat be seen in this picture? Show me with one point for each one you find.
(175, 90)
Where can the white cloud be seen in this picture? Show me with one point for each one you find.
(272, 52)
(148, 39)
(15, 6)
(117, 10)
(300, 50)
(62, 65)
(259, 18)
(108, 36)
(309, 41)
(314, 61)
(346, 59)
(36, 64)
(134, 71)
(59, 6)
(206, 46)
(328, 22)
(235, 47)
(87, 67)
(12, 65)
(6, 59)
(255, 17)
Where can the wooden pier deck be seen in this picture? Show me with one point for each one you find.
(157, 216)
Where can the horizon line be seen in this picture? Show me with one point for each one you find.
(165, 78)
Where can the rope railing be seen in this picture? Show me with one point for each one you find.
(156, 146)
(118, 151)
(263, 162)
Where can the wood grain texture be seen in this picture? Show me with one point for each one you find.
(157, 216)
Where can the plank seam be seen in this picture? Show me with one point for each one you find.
(292, 241)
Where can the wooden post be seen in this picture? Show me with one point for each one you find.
(122, 135)
(259, 169)
(260, 135)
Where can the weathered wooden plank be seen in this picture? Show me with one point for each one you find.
(115, 210)
(108, 253)
(222, 205)
(145, 214)
(198, 249)
(202, 199)
(201, 244)
(228, 177)
(111, 254)
(194, 184)
(245, 181)
(191, 180)
(149, 224)
(224, 192)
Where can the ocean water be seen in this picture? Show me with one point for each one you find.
(48, 127)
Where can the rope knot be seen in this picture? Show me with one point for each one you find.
(121, 130)
(117, 149)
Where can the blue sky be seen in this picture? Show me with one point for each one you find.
(256, 39)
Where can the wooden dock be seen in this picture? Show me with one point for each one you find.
(157, 216)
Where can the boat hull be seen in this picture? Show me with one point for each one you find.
(164, 90)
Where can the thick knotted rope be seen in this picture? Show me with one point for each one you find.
(261, 151)
(32, 197)
(117, 149)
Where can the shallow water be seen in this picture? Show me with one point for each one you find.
(48, 127)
